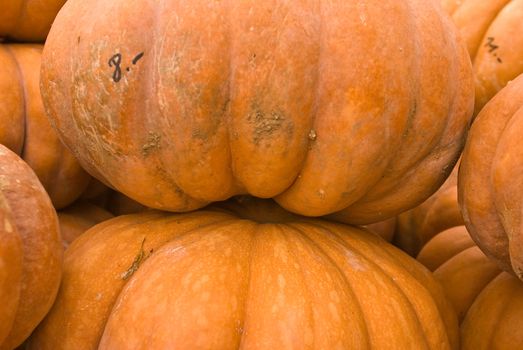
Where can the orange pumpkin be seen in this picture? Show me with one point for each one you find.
(491, 179)
(78, 218)
(491, 29)
(30, 251)
(414, 228)
(494, 320)
(26, 130)
(459, 265)
(28, 20)
(355, 107)
(260, 278)
(489, 302)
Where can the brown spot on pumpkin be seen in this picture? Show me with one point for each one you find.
(138, 259)
(312, 135)
(152, 143)
(265, 124)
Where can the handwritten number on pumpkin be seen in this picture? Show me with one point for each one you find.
(115, 62)
(492, 48)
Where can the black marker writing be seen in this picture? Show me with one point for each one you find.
(137, 58)
(115, 61)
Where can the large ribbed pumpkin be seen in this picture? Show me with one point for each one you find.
(30, 251)
(492, 30)
(490, 185)
(27, 20)
(213, 280)
(328, 106)
(25, 129)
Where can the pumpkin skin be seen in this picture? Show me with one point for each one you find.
(491, 30)
(28, 20)
(32, 136)
(78, 218)
(10, 268)
(355, 107)
(490, 187)
(34, 219)
(227, 282)
(415, 227)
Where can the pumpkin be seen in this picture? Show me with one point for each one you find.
(459, 265)
(28, 20)
(490, 183)
(78, 218)
(358, 108)
(30, 251)
(26, 130)
(491, 30)
(259, 278)
(494, 320)
(489, 302)
(415, 227)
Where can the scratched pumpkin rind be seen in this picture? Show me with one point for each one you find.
(353, 108)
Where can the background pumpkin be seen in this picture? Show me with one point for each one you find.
(491, 29)
(26, 130)
(263, 278)
(491, 179)
(459, 265)
(489, 302)
(352, 106)
(33, 218)
(28, 20)
(415, 227)
(78, 218)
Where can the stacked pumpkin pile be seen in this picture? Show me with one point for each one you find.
(240, 131)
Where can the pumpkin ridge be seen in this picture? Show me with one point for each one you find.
(248, 287)
(326, 257)
(506, 230)
(397, 286)
(21, 82)
(444, 142)
(412, 113)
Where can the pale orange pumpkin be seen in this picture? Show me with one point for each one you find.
(355, 107)
(26, 130)
(30, 251)
(260, 278)
(490, 183)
